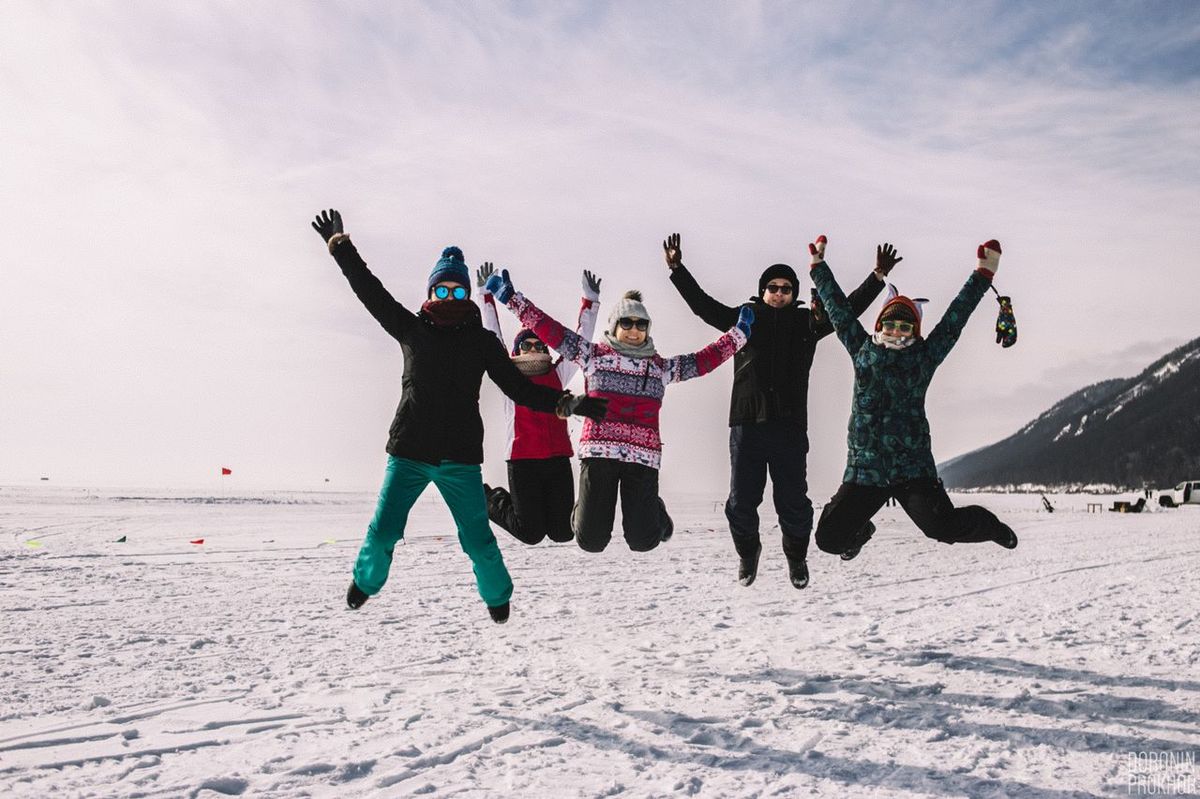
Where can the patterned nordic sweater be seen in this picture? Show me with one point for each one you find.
(634, 387)
(889, 432)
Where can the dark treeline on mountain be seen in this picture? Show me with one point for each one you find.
(1135, 432)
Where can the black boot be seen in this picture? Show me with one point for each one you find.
(664, 518)
(1005, 537)
(797, 558)
(748, 555)
(499, 613)
(864, 535)
(355, 598)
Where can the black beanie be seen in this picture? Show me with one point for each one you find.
(776, 271)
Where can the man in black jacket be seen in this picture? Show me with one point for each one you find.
(437, 435)
(768, 411)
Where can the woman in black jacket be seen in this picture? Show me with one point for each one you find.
(437, 435)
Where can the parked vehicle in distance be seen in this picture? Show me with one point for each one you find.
(1186, 493)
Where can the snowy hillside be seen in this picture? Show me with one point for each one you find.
(1125, 433)
(158, 667)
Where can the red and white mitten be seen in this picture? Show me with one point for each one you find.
(817, 249)
(989, 257)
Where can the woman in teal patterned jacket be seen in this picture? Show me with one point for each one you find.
(890, 454)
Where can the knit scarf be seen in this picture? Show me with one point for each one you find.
(893, 342)
(532, 364)
(643, 350)
(450, 313)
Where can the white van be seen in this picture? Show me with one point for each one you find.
(1186, 493)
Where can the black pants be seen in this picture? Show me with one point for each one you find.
(780, 448)
(924, 500)
(538, 501)
(643, 514)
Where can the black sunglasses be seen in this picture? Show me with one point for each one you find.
(443, 292)
(773, 288)
(530, 345)
(626, 323)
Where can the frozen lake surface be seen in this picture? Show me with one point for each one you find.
(158, 667)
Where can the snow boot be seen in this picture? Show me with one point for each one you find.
(355, 598)
(748, 565)
(1005, 537)
(668, 529)
(864, 535)
(797, 558)
(499, 613)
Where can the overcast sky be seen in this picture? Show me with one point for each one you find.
(165, 308)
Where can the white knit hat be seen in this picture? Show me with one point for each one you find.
(629, 305)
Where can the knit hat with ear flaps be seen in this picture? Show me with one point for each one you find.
(628, 305)
(776, 271)
(899, 308)
(450, 266)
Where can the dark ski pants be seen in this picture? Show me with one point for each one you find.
(643, 514)
(538, 502)
(924, 500)
(781, 449)
(461, 485)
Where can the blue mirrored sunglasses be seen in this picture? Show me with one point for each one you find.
(444, 292)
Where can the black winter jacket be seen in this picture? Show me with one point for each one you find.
(770, 374)
(438, 418)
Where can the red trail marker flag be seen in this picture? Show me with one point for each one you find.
(225, 471)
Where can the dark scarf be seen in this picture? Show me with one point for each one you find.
(451, 313)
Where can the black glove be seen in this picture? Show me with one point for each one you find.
(886, 259)
(1006, 323)
(328, 224)
(595, 408)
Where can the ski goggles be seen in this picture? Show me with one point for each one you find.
(533, 345)
(896, 326)
(775, 288)
(628, 322)
(445, 292)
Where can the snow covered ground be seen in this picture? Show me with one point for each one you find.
(157, 667)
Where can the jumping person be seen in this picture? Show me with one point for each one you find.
(541, 492)
(622, 453)
(437, 435)
(890, 450)
(768, 409)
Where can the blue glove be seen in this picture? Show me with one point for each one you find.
(745, 319)
(501, 287)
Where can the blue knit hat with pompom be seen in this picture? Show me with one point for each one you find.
(450, 266)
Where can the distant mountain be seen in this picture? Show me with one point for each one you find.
(1124, 433)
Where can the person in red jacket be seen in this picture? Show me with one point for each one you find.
(541, 493)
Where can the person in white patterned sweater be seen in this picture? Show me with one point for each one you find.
(621, 455)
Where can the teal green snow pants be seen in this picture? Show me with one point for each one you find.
(461, 485)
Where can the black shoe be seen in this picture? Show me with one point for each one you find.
(1006, 538)
(748, 567)
(798, 573)
(499, 613)
(864, 535)
(355, 598)
(669, 530)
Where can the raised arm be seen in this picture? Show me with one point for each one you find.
(862, 297)
(698, 364)
(585, 326)
(711, 312)
(487, 303)
(391, 315)
(837, 308)
(570, 345)
(943, 337)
